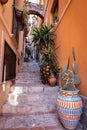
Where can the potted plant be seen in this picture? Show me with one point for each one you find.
(43, 38)
(48, 69)
(21, 17)
(25, 16)
(69, 102)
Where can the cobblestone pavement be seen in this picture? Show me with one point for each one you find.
(30, 104)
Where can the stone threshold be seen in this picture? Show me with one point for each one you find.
(26, 114)
(35, 128)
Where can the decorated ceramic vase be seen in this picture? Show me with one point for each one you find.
(69, 108)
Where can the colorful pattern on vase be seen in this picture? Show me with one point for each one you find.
(69, 108)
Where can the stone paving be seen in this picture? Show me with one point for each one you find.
(30, 104)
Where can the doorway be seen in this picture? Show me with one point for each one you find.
(9, 65)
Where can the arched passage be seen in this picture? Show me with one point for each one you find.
(35, 9)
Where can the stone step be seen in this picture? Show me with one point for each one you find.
(34, 89)
(33, 84)
(28, 108)
(31, 105)
(26, 89)
(28, 80)
(31, 121)
(28, 75)
(29, 98)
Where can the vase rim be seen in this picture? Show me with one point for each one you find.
(69, 91)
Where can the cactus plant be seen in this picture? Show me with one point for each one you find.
(68, 78)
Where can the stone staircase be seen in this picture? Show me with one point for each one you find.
(30, 104)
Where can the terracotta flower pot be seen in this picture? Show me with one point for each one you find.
(3, 1)
(52, 79)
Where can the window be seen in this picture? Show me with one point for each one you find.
(55, 11)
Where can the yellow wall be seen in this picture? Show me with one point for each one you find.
(72, 32)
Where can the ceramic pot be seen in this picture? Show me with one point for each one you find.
(3, 1)
(52, 79)
(69, 106)
(44, 73)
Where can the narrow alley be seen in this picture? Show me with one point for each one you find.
(30, 104)
(43, 65)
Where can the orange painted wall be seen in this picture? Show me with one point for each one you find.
(5, 31)
(48, 19)
(20, 4)
(62, 4)
(6, 14)
(72, 32)
(40, 21)
(48, 8)
(41, 2)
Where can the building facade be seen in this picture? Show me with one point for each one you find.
(11, 41)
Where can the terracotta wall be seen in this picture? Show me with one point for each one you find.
(20, 39)
(40, 21)
(7, 11)
(6, 16)
(5, 31)
(47, 9)
(20, 4)
(62, 4)
(41, 2)
(71, 32)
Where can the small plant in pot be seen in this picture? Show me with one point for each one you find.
(68, 101)
(50, 72)
(45, 68)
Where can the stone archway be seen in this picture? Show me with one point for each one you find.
(35, 9)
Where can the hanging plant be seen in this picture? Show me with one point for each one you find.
(25, 15)
(19, 16)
